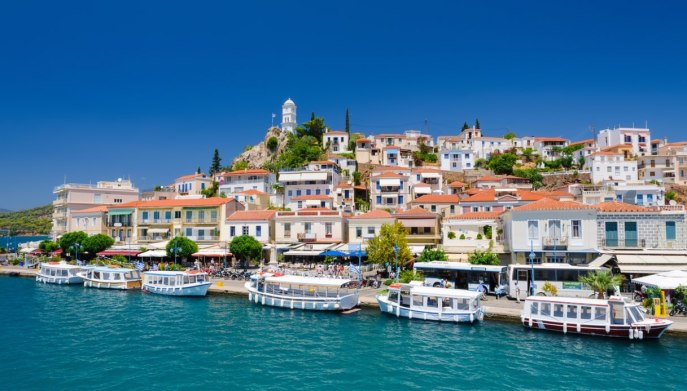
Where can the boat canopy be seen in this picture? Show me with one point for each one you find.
(300, 280)
(173, 273)
(444, 292)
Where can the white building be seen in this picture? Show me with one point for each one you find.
(256, 223)
(366, 226)
(336, 141)
(638, 138)
(288, 116)
(611, 166)
(234, 182)
(549, 148)
(389, 187)
(456, 159)
(192, 184)
(309, 226)
(318, 178)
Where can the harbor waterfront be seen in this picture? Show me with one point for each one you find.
(68, 337)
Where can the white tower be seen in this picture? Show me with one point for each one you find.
(288, 116)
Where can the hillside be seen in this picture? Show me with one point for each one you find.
(259, 154)
(36, 221)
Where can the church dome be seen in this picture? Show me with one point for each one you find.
(289, 102)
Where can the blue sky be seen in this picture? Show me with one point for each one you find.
(147, 90)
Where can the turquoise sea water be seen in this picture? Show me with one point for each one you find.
(13, 242)
(59, 337)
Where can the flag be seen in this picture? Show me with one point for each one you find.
(274, 115)
(354, 269)
(139, 265)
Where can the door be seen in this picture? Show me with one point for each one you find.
(555, 231)
(523, 281)
(631, 234)
(611, 234)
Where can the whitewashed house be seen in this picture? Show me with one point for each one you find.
(310, 226)
(364, 227)
(606, 165)
(318, 178)
(467, 232)
(256, 223)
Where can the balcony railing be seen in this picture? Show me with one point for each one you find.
(201, 221)
(59, 201)
(59, 215)
(154, 238)
(155, 221)
(626, 243)
(118, 224)
(306, 237)
(554, 242)
(203, 237)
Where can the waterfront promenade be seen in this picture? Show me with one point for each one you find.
(500, 309)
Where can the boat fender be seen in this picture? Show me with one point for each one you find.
(472, 318)
(565, 328)
(608, 328)
(648, 327)
(578, 327)
(641, 334)
(530, 321)
(632, 334)
(410, 314)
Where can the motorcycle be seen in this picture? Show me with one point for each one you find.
(679, 308)
(639, 296)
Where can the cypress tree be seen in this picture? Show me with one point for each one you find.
(348, 123)
(465, 125)
(216, 162)
(477, 126)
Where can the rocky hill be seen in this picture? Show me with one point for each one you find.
(259, 154)
(36, 221)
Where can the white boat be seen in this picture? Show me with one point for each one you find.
(111, 278)
(59, 273)
(429, 303)
(614, 317)
(306, 293)
(176, 283)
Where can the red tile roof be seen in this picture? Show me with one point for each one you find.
(416, 212)
(363, 140)
(485, 195)
(390, 168)
(426, 169)
(252, 192)
(388, 175)
(559, 139)
(387, 135)
(456, 184)
(587, 141)
(615, 207)
(475, 216)
(252, 215)
(338, 132)
(374, 214)
(188, 202)
(312, 197)
(244, 172)
(191, 176)
(551, 204)
(436, 199)
(94, 209)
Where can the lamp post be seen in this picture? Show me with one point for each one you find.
(396, 256)
(175, 249)
(76, 247)
(225, 245)
(532, 266)
(128, 247)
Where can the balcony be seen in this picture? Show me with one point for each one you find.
(200, 238)
(201, 221)
(117, 224)
(155, 221)
(154, 238)
(59, 215)
(306, 237)
(557, 243)
(60, 201)
(627, 243)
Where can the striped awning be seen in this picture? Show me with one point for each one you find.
(111, 252)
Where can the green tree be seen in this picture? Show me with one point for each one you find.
(239, 165)
(184, 246)
(483, 258)
(509, 136)
(96, 243)
(409, 275)
(348, 123)
(298, 151)
(432, 254)
(581, 161)
(529, 173)
(245, 248)
(380, 249)
(68, 240)
(570, 149)
(527, 153)
(211, 191)
(465, 125)
(313, 128)
(601, 280)
(503, 163)
(198, 170)
(356, 178)
(671, 195)
(272, 143)
(48, 246)
(216, 163)
(477, 125)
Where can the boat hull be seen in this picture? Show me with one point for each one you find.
(189, 290)
(445, 316)
(648, 330)
(59, 280)
(341, 303)
(121, 285)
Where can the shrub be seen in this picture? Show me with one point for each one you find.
(462, 236)
(479, 236)
(483, 258)
(388, 282)
(451, 235)
(272, 143)
(550, 289)
(409, 275)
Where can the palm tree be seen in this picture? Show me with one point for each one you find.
(601, 280)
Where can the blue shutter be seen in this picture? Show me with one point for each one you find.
(379, 199)
(670, 230)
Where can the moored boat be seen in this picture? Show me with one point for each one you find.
(59, 273)
(614, 317)
(111, 278)
(176, 283)
(428, 303)
(297, 292)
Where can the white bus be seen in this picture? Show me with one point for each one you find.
(460, 275)
(565, 277)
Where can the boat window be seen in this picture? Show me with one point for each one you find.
(446, 303)
(534, 308)
(186, 280)
(52, 272)
(165, 281)
(417, 301)
(393, 296)
(617, 314)
(463, 304)
(600, 313)
(558, 310)
(106, 276)
(117, 276)
(636, 313)
(96, 275)
(546, 309)
(585, 312)
(628, 316)
(137, 274)
(432, 301)
(572, 311)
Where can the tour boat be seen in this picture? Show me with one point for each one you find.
(429, 303)
(59, 273)
(176, 283)
(297, 292)
(614, 317)
(111, 278)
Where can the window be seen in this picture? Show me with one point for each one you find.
(532, 229)
(576, 228)
(298, 193)
(156, 215)
(434, 208)
(244, 230)
(600, 313)
(287, 230)
(317, 191)
(358, 232)
(307, 191)
(97, 198)
(300, 204)
(168, 215)
(189, 232)
(572, 312)
(289, 193)
(546, 309)
(586, 312)
(144, 215)
(379, 199)
(328, 191)
(213, 215)
(328, 229)
(308, 228)
(189, 216)
(232, 231)
(534, 308)
(670, 230)
(370, 230)
(258, 231)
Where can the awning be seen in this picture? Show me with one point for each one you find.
(212, 252)
(416, 249)
(650, 263)
(158, 230)
(430, 175)
(409, 223)
(422, 190)
(119, 212)
(27, 250)
(312, 202)
(389, 182)
(111, 252)
(289, 177)
(666, 280)
(153, 254)
(306, 253)
(601, 260)
(314, 176)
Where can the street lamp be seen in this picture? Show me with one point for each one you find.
(532, 266)
(76, 246)
(396, 255)
(175, 249)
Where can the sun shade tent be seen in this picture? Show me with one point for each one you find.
(665, 280)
